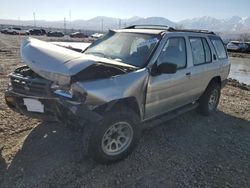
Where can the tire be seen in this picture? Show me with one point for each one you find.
(105, 142)
(210, 99)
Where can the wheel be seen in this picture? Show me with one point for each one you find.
(210, 99)
(114, 138)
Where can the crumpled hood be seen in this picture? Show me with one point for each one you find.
(57, 63)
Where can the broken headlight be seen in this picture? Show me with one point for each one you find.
(71, 93)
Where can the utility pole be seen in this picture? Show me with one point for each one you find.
(19, 23)
(70, 19)
(102, 24)
(120, 23)
(64, 24)
(34, 15)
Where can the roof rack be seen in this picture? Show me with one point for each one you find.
(167, 28)
(192, 30)
(158, 27)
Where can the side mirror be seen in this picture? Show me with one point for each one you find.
(167, 68)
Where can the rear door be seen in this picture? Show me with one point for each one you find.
(205, 65)
(209, 60)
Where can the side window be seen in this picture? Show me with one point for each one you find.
(207, 49)
(219, 47)
(197, 51)
(174, 52)
(200, 50)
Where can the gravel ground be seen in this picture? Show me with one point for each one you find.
(188, 151)
(240, 55)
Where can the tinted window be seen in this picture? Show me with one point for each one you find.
(219, 47)
(200, 50)
(197, 51)
(174, 51)
(208, 55)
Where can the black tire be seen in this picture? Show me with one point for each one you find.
(94, 134)
(205, 107)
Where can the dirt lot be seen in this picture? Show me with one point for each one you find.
(188, 151)
(240, 55)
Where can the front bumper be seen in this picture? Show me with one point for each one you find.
(55, 108)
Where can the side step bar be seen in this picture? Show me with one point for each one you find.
(169, 115)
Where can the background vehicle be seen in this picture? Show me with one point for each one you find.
(97, 35)
(78, 35)
(127, 77)
(55, 34)
(43, 31)
(16, 31)
(238, 46)
(36, 32)
(4, 30)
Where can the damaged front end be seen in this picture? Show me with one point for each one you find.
(61, 85)
(33, 96)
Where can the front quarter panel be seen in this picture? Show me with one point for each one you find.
(118, 87)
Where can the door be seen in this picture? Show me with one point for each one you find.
(169, 91)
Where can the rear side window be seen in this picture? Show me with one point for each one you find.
(200, 50)
(207, 49)
(219, 47)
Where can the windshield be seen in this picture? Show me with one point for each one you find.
(130, 48)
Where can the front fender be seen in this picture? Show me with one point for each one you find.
(118, 87)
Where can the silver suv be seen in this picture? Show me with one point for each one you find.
(124, 79)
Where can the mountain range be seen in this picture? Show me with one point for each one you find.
(234, 24)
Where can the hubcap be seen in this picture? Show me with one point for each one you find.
(117, 138)
(213, 99)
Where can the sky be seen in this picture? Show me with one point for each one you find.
(175, 10)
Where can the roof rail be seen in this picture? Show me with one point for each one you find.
(192, 30)
(159, 27)
(167, 28)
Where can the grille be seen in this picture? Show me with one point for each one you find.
(29, 87)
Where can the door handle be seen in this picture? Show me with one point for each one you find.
(188, 74)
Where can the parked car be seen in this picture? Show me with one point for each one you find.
(97, 35)
(16, 31)
(55, 34)
(43, 31)
(124, 79)
(35, 32)
(78, 35)
(4, 30)
(238, 46)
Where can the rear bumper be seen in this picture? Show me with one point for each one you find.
(55, 109)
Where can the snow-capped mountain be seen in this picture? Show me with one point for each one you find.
(234, 24)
